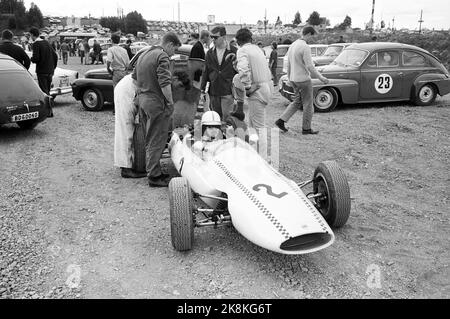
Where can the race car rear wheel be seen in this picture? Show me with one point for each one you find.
(425, 95)
(181, 214)
(334, 203)
(92, 100)
(326, 100)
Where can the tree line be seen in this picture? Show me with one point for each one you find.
(133, 23)
(14, 15)
(315, 19)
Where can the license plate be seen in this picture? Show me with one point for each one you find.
(24, 117)
(64, 82)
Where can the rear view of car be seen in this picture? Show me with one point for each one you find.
(21, 100)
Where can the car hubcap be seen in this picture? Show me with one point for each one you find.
(426, 94)
(324, 100)
(91, 99)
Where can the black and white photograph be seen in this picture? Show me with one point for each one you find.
(233, 152)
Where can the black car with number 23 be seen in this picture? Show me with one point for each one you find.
(21, 100)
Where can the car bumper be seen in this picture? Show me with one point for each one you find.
(7, 113)
(286, 90)
(60, 91)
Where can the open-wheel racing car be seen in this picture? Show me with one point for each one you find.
(227, 182)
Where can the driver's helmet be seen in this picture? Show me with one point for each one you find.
(211, 125)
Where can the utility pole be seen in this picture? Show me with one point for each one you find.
(420, 21)
(371, 18)
(393, 20)
(265, 21)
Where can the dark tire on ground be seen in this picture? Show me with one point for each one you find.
(330, 180)
(326, 100)
(139, 148)
(28, 125)
(181, 214)
(92, 100)
(425, 95)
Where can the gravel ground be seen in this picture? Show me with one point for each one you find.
(71, 227)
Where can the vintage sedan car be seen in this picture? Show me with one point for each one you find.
(61, 81)
(378, 72)
(96, 87)
(21, 100)
(331, 53)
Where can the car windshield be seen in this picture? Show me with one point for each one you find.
(333, 51)
(351, 57)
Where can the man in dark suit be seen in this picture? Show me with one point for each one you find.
(219, 72)
(46, 60)
(198, 49)
(9, 48)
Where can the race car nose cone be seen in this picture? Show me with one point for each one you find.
(306, 242)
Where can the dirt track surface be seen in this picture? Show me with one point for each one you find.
(71, 227)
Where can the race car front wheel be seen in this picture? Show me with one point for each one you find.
(333, 193)
(181, 214)
(92, 100)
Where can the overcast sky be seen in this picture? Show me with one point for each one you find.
(436, 13)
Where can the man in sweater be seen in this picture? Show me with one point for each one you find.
(9, 48)
(46, 60)
(255, 78)
(299, 70)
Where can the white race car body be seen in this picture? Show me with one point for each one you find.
(265, 207)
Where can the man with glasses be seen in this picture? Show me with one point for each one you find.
(219, 73)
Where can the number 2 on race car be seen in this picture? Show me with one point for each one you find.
(384, 83)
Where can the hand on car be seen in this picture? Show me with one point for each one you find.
(324, 80)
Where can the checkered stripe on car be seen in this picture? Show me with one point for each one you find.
(306, 201)
(254, 200)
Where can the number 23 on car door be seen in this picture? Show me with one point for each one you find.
(381, 77)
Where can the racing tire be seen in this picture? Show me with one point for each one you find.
(181, 214)
(335, 204)
(425, 95)
(92, 100)
(139, 163)
(326, 100)
(27, 125)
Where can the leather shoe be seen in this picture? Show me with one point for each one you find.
(129, 173)
(280, 124)
(310, 131)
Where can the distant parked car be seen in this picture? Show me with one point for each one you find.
(331, 53)
(61, 81)
(21, 100)
(96, 87)
(136, 46)
(378, 72)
